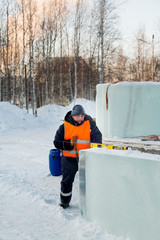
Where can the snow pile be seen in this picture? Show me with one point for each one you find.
(53, 114)
(29, 194)
(12, 117)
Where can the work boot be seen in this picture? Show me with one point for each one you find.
(64, 205)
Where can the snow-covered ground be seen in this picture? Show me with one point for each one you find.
(29, 195)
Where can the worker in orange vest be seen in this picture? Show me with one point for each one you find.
(78, 130)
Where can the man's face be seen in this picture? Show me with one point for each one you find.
(78, 118)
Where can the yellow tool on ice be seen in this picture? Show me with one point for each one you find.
(113, 147)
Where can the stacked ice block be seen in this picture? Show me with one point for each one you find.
(120, 190)
(133, 109)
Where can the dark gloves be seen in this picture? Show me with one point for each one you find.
(67, 145)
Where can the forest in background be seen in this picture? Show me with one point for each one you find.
(56, 51)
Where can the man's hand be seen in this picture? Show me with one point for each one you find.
(73, 140)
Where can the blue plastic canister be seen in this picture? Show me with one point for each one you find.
(55, 162)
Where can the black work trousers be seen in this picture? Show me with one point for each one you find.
(69, 169)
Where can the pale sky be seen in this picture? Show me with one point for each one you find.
(135, 14)
(140, 13)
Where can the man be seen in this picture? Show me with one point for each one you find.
(74, 135)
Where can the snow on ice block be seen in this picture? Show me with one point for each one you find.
(120, 190)
(133, 109)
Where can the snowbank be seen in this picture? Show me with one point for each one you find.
(14, 118)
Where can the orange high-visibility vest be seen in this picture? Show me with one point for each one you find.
(82, 132)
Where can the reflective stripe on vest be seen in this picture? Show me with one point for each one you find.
(83, 133)
(83, 141)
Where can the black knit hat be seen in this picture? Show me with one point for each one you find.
(77, 110)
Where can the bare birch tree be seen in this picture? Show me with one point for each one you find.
(8, 86)
(141, 55)
(77, 39)
(15, 60)
(15, 47)
(69, 65)
(32, 10)
(1, 52)
(1, 98)
(60, 82)
(24, 31)
(107, 28)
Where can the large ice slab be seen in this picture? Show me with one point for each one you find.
(120, 190)
(101, 111)
(133, 109)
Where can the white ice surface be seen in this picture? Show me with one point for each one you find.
(29, 195)
(127, 189)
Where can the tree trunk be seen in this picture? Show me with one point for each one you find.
(31, 49)
(24, 51)
(33, 80)
(69, 68)
(102, 40)
(52, 74)
(8, 93)
(1, 96)
(15, 63)
(60, 87)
